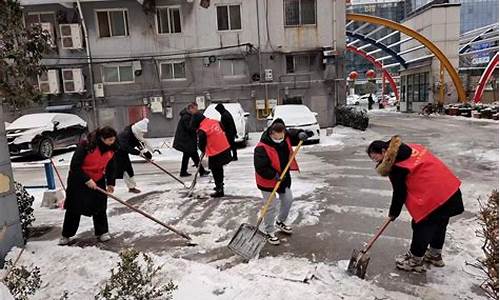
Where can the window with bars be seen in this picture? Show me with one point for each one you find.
(303, 63)
(415, 87)
(173, 70)
(228, 17)
(40, 17)
(118, 74)
(233, 67)
(112, 23)
(299, 12)
(168, 20)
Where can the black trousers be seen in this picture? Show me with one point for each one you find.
(234, 149)
(218, 174)
(72, 222)
(427, 232)
(185, 161)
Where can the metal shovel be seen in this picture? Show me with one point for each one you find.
(359, 259)
(193, 184)
(249, 240)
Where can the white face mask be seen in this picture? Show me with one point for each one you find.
(279, 141)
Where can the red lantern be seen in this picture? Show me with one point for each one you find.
(353, 75)
(371, 74)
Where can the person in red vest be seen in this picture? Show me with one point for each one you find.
(429, 190)
(271, 156)
(213, 142)
(92, 166)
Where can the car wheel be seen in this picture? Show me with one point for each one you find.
(46, 148)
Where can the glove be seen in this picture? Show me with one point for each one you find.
(277, 176)
(303, 136)
(392, 218)
(146, 154)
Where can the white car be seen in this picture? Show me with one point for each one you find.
(364, 99)
(353, 99)
(239, 115)
(296, 116)
(43, 133)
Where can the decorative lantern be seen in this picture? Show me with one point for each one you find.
(353, 75)
(370, 74)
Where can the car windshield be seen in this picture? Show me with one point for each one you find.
(32, 121)
(294, 114)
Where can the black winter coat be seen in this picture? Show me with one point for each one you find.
(185, 135)
(227, 121)
(79, 198)
(262, 162)
(128, 144)
(454, 206)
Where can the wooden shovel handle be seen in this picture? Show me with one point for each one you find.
(144, 213)
(164, 170)
(377, 235)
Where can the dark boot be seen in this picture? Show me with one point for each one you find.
(185, 174)
(219, 192)
(204, 173)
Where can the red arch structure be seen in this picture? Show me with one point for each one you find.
(377, 65)
(478, 93)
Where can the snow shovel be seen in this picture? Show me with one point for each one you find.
(182, 234)
(359, 259)
(249, 240)
(165, 171)
(193, 184)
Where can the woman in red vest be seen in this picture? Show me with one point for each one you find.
(213, 142)
(92, 166)
(429, 190)
(271, 156)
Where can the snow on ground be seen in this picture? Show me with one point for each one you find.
(81, 271)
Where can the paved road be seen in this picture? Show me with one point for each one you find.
(354, 201)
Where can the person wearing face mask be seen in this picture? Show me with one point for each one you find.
(429, 190)
(131, 141)
(271, 155)
(92, 165)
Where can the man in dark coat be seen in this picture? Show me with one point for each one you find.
(213, 142)
(227, 122)
(131, 141)
(417, 176)
(185, 140)
(92, 165)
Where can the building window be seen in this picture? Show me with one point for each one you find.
(228, 17)
(172, 70)
(233, 67)
(300, 63)
(112, 23)
(40, 17)
(414, 87)
(168, 20)
(300, 12)
(118, 74)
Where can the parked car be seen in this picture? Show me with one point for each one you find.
(239, 115)
(353, 99)
(297, 116)
(43, 133)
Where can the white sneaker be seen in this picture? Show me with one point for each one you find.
(272, 239)
(63, 241)
(104, 237)
(283, 227)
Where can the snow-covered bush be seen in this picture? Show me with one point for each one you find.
(488, 216)
(351, 116)
(135, 278)
(25, 206)
(21, 281)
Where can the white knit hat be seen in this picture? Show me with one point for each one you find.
(141, 126)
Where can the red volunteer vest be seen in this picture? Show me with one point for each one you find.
(216, 138)
(275, 163)
(94, 164)
(430, 183)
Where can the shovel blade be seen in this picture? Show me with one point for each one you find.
(358, 264)
(247, 242)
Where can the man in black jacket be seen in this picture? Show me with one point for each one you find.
(227, 122)
(185, 140)
(271, 155)
(131, 141)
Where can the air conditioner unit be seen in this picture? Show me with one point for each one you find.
(268, 74)
(99, 90)
(71, 36)
(73, 81)
(48, 82)
(50, 29)
(156, 104)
